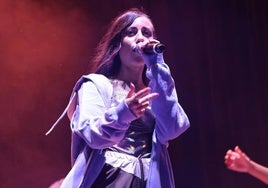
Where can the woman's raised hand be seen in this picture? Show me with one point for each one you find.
(138, 102)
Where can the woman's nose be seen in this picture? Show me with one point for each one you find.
(139, 37)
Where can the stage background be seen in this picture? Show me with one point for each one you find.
(217, 52)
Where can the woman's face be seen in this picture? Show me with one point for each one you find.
(140, 32)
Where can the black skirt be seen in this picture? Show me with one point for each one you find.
(111, 177)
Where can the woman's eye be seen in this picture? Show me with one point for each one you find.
(131, 32)
(147, 33)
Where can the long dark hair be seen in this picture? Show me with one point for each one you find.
(107, 56)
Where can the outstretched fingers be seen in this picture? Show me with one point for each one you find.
(140, 101)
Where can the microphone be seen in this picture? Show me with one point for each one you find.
(154, 48)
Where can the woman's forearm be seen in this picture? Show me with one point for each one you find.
(258, 171)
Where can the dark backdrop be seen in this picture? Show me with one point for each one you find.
(217, 52)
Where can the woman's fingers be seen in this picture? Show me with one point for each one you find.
(140, 101)
(143, 92)
(148, 97)
(132, 90)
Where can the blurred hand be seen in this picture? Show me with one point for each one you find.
(237, 160)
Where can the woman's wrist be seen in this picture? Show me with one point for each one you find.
(250, 166)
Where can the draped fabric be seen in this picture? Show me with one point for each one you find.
(218, 55)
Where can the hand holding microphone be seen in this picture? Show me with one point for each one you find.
(152, 52)
(154, 48)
